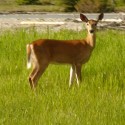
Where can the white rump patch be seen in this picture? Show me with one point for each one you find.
(28, 58)
(28, 65)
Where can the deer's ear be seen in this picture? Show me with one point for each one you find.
(100, 17)
(83, 18)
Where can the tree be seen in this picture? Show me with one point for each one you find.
(70, 4)
(94, 6)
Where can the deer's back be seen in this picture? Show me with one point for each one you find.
(62, 51)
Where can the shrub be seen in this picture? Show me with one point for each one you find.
(70, 5)
(94, 6)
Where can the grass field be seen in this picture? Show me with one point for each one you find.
(100, 99)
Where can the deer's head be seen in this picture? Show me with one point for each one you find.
(91, 24)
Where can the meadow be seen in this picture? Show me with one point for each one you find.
(99, 100)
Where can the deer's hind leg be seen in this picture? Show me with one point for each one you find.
(31, 75)
(78, 73)
(36, 73)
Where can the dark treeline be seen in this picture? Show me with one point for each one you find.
(79, 5)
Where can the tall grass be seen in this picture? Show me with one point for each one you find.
(100, 99)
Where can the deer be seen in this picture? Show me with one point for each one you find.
(42, 52)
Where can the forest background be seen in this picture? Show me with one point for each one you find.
(62, 6)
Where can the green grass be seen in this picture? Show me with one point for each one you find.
(100, 99)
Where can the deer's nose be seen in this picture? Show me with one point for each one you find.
(91, 31)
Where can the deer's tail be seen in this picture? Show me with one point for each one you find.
(28, 51)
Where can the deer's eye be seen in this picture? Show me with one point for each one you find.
(87, 24)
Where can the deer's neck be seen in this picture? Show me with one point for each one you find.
(91, 39)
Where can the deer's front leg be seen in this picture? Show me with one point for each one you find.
(78, 73)
(72, 75)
